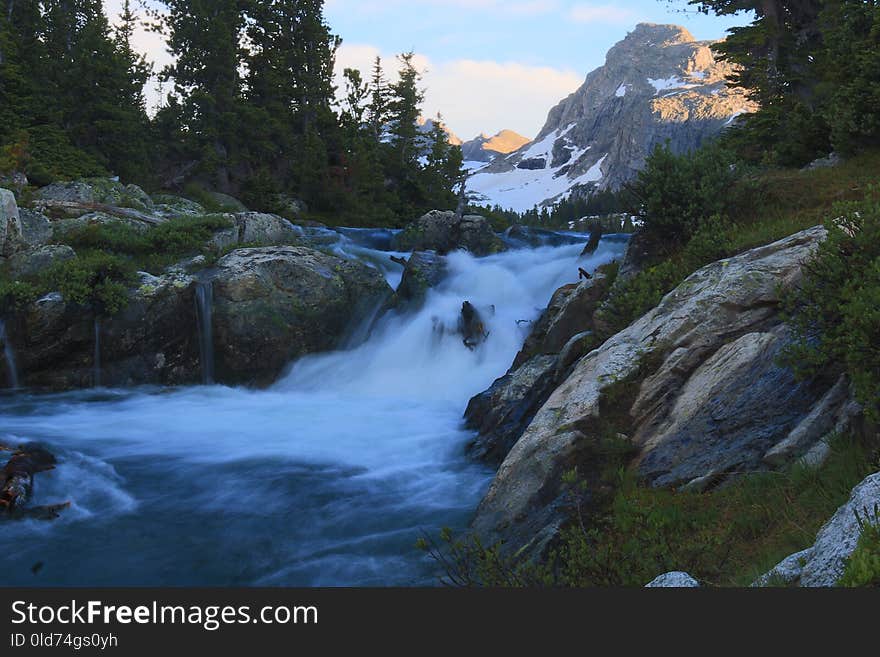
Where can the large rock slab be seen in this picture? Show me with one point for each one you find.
(152, 341)
(569, 313)
(274, 304)
(715, 307)
(502, 412)
(726, 415)
(445, 231)
(97, 190)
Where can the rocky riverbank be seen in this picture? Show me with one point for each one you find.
(711, 400)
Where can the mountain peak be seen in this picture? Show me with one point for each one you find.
(660, 34)
(484, 148)
(657, 84)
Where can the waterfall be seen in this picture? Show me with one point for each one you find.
(9, 354)
(204, 324)
(96, 360)
(326, 478)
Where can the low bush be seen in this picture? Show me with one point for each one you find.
(677, 193)
(95, 279)
(836, 310)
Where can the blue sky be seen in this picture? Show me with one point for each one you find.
(492, 64)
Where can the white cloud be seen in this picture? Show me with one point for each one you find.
(477, 96)
(609, 14)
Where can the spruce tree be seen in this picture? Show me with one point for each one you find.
(205, 37)
(377, 110)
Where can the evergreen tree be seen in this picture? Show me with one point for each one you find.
(290, 86)
(205, 38)
(403, 113)
(377, 110)
(442, 170)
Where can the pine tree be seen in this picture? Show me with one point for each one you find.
(404, 112)
(290, 84)
(442, 168)
(377, 110)
(205, 37)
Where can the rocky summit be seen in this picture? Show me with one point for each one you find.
(658, 84)
(485, 148)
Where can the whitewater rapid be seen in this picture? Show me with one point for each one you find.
(327, 478)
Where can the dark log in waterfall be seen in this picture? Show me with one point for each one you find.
(17, 483)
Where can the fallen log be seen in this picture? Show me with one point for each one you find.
(74, 207)
(595, 238)
(403, 262)
(18, 483)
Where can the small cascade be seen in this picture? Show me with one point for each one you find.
(96, 360)
(9, 355)
(204, 323)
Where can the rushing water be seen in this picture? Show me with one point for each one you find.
(204, 299)
(9, 356)
(327, 478)
(96, 357)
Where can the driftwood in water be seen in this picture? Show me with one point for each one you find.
(17, 483)
(595, 238)
(583, 273)
(471, 326)
(403, 262)
(76, 206)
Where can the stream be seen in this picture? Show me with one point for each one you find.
(327, 478)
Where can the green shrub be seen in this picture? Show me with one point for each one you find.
(678, 192)
(15, 295)
(836, 309)
(94, 279)
(153, 249)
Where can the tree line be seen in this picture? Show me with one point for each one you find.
(249, 108)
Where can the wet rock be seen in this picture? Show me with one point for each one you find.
(445, 231)
(569, 313)
(152, 341)
(424, 270)
(471, 326)
(274, 304)
(502, 412)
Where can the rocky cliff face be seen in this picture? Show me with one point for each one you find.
(658, 84)
(485, 148)
(712, 401)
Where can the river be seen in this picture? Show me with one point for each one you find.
(327, 478)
